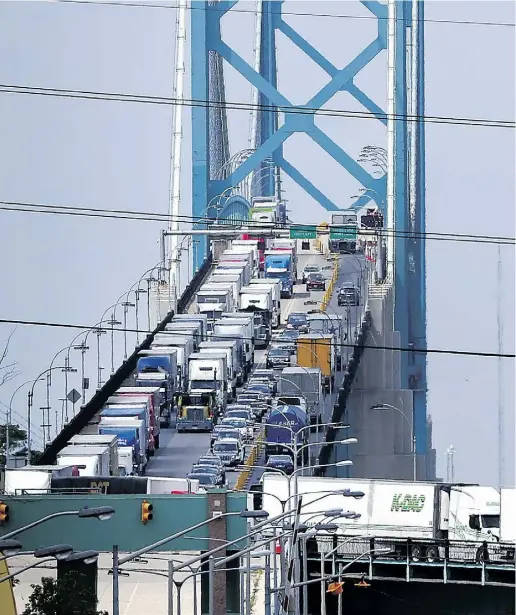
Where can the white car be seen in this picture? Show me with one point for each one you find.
(308, 270)
(245, 430)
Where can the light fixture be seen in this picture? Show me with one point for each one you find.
(100, 512)
(254, 514)
(346, 462)
(58, 551)
(88, 557)
(10, 547)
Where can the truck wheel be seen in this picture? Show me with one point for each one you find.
(432, 554)
(416, 553)
(156, 442)
(152, 452)
(339, 363)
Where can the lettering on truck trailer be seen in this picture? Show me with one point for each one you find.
(407, 503)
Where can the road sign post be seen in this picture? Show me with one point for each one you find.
(305, 232)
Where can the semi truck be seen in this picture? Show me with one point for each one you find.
(261, 242)
(247, 332)
(187, 329)
(237, 266)
(109, 485)
(221, 282)
(34, 480)
(209, 372)
(258, 301)
(286, 245)
(332, 324)
(305, 381)
(275, 286)
(158, 372)
(184, 347)
(279, 266)
(213, 303)
(118, 405)
(196, 410)
(230, 348)
(202, 319)
(111, 441)
(318, 350)
(89, 460)
(152, 396)
(426, 513)
(132, 435)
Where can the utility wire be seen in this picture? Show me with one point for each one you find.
(126, 214)
(331, 15)
(240, 106)
(467, 353)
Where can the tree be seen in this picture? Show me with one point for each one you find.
(67, 595)
(17, 438)
(8, 369)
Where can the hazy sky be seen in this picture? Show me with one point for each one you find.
(116, 155)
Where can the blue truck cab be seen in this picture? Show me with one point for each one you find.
(279, 265)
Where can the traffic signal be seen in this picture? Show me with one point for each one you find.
(4, 513)
(146, 511)
(335, 588)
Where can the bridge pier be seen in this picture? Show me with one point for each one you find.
(385, 436)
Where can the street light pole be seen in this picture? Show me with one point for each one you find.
(383, 406)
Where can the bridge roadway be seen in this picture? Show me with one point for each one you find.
(178, 452)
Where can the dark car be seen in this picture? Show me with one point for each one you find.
(348, 295)
(281, 462)
(263, 388)
(206, 481)
(316, 281)
(298, 321)
(287, 340)
(256, 400)
(212, 460)
(278, 358)
(207, 469)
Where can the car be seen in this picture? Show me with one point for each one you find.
(308, 270)
(270, 384)
(246, 431)
(220, 431)
(241, 413)
(206, 481)
(230, 452)
(212, 460)
(316, 281)
(281, 462)
(263, 388)
(266, 374)
(287, 340)
(348, 295)
(298, 321)
(219, 479)
(278, 358)
(256, 400)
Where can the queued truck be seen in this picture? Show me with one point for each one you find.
(286, 245)
(89, 460)
(241, 326)
(213, 302)
(285, 425)
(127, 405)
(222, 283)
(186, 329)
(238, 265)
(158, 373)
(426, 513)
(196, 410)
(234, 366)
(275, 286)
(330, 324)
(111, 441)
(183, 345)
(305, 383)
(279, 266)
(318, 350)
(132, 440)
(202, 319)
(136, 395)
(258, 301)
(113, 485)
(209, 372)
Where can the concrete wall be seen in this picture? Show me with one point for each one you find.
(384, 448)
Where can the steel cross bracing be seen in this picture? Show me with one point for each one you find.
(214, 191)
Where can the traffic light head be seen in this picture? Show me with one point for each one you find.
(4, 513)
(146, 511)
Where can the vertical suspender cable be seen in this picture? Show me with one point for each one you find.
(177, 137)
(391, 81)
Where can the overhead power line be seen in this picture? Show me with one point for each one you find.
(299, 14)
(127, 214)
(240, 106)
(465, 353)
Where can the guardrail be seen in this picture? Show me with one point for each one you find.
(331, 285)
(249, 463)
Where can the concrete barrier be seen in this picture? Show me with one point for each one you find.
(249, 463)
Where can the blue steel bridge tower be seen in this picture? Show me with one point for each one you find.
(219, 177)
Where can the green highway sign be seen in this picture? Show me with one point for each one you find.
(344, 232)
(305, 232)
